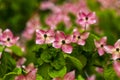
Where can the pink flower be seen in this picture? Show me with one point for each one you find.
(31, 26)
(114, 50)
(62, 41)
(85, 19)
(44, 36)
(99, 69)
(7, 38)
(46, 5)
(31, 73)
(91, 77)
(100, 45)
(79, 38)
(116, 66)
(68, 76)
(20, 62)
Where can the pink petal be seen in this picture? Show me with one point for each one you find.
(68, 39)
(50, 33)
(82, 14)
(101, 51)
(81, 42)
(85, 35)
(31, 75)
(60, 36)
(103, 39)
(116, 66)
(67, 48)
(49, 39)
(70, 76)
(109, 49)
(91, 77)
(20, 77)
(92, 18)
(40, 40)
(20, 62)
(6, 33)
(97, 44)
(115, 55)
(40, 32)
(99, 69)
(117, 44)
(30, 67)
(56, 44)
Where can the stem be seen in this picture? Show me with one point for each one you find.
(86, 74)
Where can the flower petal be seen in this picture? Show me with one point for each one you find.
(116, 66)
(68, 39)
(50, 32)
(57, 44)
(59, 36)
(101, 51)
(117, 44)
(103, 40)
(85, 35)
(6, 33)
(115, 55)
(70, 76)
(109, 49)
(97, 44)
(81, 42)
(31, 75)
(67, 48)
(20, 77)
(49, 39)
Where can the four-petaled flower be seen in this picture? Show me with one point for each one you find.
(62, 41)
(30, 73)
(100, 45)
(44, 36)
(85, 19)
(79, 38)
(114, 50)
(68, 76)
(7, 38)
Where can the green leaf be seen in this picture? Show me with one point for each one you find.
(109, 73)
(17, 50)
(39, 77)
(90, 46)
(80, 78)
(57, 73)
(1, 48)
(77, 63)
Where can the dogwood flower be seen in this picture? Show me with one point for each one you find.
(44, 36)
(100, 45)
(31, 73)
(116, 66)
(62, 41)
(7, 38)
(79, 38)
(68, 76)
(85, 19)
(114, 50)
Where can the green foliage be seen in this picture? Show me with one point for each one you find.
(17, 50)
(57, 73)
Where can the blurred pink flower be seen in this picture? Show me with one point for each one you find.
(62, 41)
(68, 76)
(31, 73)
(79, 38)
(99, 69)
(116, 66)
(100, 45)
(85, 19)
(7, 38)
(20, 62)
(114, 50)
(44, 36)
(91, 77)
(31, 26)
(46, 5)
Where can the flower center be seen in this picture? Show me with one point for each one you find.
(102, 45)
(78, 37)
(86, 18)
(8, 39)
(117, 49)
(45, 36)
(63, 41)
